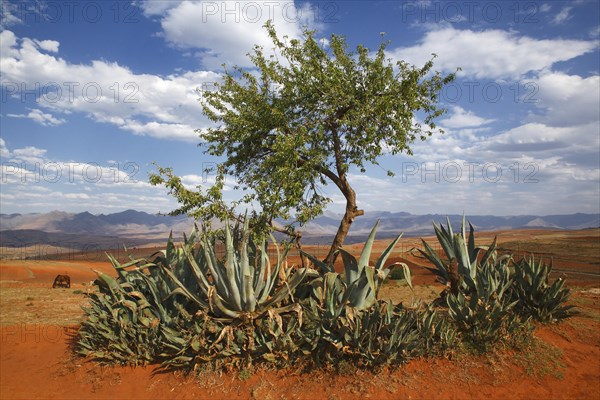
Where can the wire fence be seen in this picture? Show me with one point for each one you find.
(123, 252)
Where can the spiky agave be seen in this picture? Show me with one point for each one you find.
(536, 296)
(182, 287)
(242, 298)
(361, 280)
(461, 261)
(344, 317)
(123, 321)
(485, 314)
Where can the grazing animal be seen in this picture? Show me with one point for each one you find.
(62, 281)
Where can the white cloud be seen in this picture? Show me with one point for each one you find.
(40, 117)
(48, 45)
(491, 53)
(567, 100)
(162, 107)
(4, 152)
(461, 118)
(153, 8)
(8, 41)
(532, 137)
(9, 14)
(563, 16)
(161, 130)
(32, 181)
(224, 32)
(30, 154)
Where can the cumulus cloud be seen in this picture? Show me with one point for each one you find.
(567, 100)
(535, 137)
(9, 14)
(152, 8)
(491, 53)
(40, 117)
(29, 154)
(4, 152)
(224, 32)
(163, 107)
(461, 118)
(33, 181)
(48, 45)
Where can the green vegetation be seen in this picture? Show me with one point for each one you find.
(299, 121)
(188, 307)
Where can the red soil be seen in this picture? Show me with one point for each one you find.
(42, 273)
(36, 363)
(36, 360)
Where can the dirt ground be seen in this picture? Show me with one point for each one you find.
(37, 327)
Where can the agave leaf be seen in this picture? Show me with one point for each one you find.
(220, 307)
(433, 257)
(445, 239)
(218, 273)
(406, 272)
(259, 272)
(471, 245)
(247, 291)
(386, 253)
(365, 255)
(108, 282)
(351, 266)
(450, 233)
(489, 252)
(463, 258)
(234, 290)
(266, 271)
(278, 264)
(288, 288)
(183, 289)
(197, 271)
(463, 252)
(364, 295)
(323, 267)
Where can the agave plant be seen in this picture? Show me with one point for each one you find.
(243, 285)
(536, 297)
(344, 318)
(458, 268)
(181, 285)
(123, 321)
(485, 313)
(361, 281)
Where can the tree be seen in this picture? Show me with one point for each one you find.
(301, 119)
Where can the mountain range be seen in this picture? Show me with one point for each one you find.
(136, 227)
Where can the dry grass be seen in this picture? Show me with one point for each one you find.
(39, 305)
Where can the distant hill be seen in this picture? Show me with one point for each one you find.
(136, 227)
(129, 223)
(29, 237)
(324, 227)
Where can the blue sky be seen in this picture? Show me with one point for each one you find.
(94, 92)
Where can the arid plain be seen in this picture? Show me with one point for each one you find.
(38, 325)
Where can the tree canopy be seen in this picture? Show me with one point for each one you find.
(300, 119)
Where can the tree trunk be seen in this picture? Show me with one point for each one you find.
(341, 182)
(453, 278)
(351, 212)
